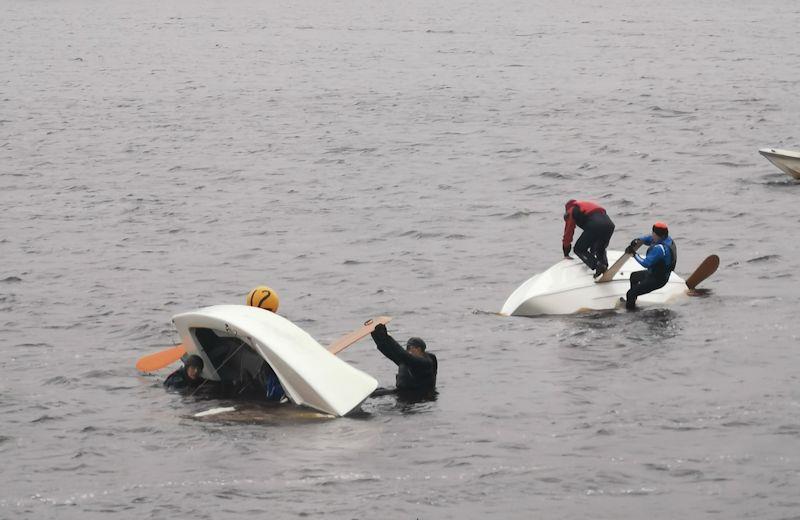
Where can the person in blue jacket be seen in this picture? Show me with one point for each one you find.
(659, 262)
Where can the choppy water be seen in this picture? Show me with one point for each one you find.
(409, 159)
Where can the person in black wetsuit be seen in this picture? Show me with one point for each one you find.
(188, 376)
(597, 230)
(416, 368)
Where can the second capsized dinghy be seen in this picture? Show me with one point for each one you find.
(568, 287)
(236, 338)
(787, 160)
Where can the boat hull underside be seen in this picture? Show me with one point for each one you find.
(786, 161)
(309, 374)
(569, 287)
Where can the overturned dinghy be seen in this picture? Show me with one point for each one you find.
(569, 287)
(786, 160)
(237, 339)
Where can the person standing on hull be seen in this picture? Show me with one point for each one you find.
(659, 263)
(597, 230)
(416, 368)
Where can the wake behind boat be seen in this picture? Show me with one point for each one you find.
(232, 339)
(569, 286)
(787, 160)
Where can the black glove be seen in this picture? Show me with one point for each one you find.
(629, 250)
(380, 329)
(566, 249)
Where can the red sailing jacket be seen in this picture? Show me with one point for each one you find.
(577, 213)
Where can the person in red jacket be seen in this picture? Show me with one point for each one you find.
(597, 230)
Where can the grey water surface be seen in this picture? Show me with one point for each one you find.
(409, 159)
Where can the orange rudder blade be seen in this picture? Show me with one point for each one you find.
(157, 361)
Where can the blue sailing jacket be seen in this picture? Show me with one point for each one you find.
(273, 388)
(661, 257)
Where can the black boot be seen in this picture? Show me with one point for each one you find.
(600, 270)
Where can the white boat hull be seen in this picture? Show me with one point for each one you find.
(309, 374)
(787, 160)
(569, 287)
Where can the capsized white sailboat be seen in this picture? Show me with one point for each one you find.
(568, 287)
(787, 160)
(241, 337)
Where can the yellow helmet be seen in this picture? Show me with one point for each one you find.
(264, 297)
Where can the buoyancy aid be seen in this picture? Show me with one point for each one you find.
(661, 258)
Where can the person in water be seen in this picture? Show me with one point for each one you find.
(659, 262)
(416, 368)
(244, 372)
(263, 385)
(597, 230)
(188, 376)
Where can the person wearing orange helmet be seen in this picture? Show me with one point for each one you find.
(597, 230)
(659, 262)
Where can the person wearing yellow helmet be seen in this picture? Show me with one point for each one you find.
(265, 383)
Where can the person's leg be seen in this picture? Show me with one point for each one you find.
(644, 284)
(582, 248)
(600, 262)
(631, 295)
(599, 229)
(608, 230)
(598, 252)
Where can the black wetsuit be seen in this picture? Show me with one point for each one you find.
(597, 230)
(414, 373)
(179, 380)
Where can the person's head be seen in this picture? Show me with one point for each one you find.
(194, 367)
(568, 207)
(415, 347)
(263, 297)
(660, 231)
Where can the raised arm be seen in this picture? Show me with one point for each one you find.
(387, 344)
(392, 349)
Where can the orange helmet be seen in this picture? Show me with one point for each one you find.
(660, 229)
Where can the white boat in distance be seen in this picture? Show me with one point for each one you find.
(569, 287)
(236, 340)
(787, 160)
